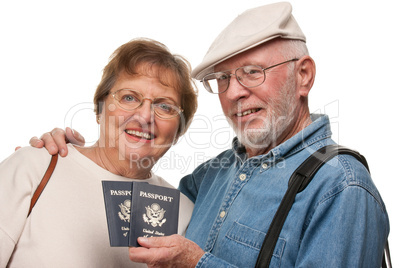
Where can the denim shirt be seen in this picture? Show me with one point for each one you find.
(339, 220)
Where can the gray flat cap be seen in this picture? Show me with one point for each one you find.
(250, 29)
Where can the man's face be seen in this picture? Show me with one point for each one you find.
(261, 116)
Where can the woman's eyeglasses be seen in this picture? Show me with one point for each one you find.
(163, 107)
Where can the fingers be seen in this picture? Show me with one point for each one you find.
(54, 142)
(59, 138)
(157, 242)
(49, 143)
(35, 142)
(150, 256)
(152, 251)
(74, 137)
(169, 251)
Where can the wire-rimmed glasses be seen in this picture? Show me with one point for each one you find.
(163, 107)
(248, 76)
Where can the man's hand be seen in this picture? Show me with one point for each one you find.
(168, 251)
(56, 140)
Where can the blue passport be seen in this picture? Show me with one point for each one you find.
(136, 209)
(154, 211)
(117, 196)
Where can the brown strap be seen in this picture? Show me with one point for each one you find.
(43, 182)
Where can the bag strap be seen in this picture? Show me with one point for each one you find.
(386, 258)
(43, 182)
(299, 180)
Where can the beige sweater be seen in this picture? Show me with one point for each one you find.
(68, 226)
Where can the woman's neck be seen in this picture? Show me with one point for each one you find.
(109, 160)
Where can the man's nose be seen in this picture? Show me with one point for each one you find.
(236, 90)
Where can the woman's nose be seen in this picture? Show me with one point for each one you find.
(145, 111)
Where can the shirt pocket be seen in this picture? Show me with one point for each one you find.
(253, 239)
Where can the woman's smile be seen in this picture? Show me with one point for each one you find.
(140, 135)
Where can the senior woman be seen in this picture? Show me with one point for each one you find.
(143, 103)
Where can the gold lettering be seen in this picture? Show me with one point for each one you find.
(156, 196)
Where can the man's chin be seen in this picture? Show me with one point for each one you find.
(255, 138)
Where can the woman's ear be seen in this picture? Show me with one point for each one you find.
(305, 75)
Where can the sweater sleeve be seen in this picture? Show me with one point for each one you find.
(20, 174)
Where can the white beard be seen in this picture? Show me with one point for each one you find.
(281, 113)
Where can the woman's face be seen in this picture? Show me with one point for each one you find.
(138, 136)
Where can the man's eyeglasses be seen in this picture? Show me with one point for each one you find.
(248, 76)
(129, 100)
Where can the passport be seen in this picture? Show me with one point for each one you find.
(117, 196)
(136, 209)
(155, 212)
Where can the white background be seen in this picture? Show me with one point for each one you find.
(52, 54)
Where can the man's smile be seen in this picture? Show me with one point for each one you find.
(247, 112)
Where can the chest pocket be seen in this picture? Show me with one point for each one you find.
(250, 240)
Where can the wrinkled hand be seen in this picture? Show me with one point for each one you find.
(56, 140)
(168, 251)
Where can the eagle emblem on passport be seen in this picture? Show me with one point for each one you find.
(138, 209)
(154, 215)
(118, 196)
(124, 213)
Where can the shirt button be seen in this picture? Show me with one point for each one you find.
(242, 177)
(222, 214)
(265, 166)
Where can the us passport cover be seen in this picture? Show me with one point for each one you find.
(136, 209)
(117, 196)
(154, 211)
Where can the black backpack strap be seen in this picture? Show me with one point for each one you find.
(311, 165)
(386, 258)
(299, 180)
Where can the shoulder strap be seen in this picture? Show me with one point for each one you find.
(299, 180)
(311, 165)
(43, 182)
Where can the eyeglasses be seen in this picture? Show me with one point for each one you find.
(129, 100)
(248, 76)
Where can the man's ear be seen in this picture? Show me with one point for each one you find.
(305, 75)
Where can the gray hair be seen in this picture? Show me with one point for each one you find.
(293, 49)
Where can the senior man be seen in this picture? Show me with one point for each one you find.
(260, 69)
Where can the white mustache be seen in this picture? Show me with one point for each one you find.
(244, 109)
